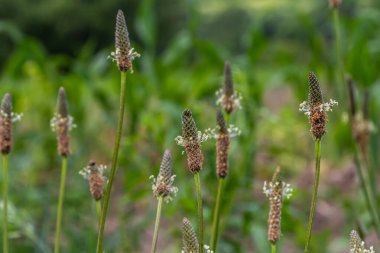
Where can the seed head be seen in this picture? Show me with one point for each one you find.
(191, 142)
(315, 93)
(222, 146)
(335, 3)
(189, 238)
(62, 124)
(62, 107)
(94, 174)
(6, 124)
(228, 87)
(163, 185)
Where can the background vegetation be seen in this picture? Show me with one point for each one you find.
(271, 45)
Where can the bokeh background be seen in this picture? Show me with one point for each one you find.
(271, 45)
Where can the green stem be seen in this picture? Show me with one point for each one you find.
(200, 210)
(273, 246)
(5, 203)
(215, 222)
(99, 211)
(315, 191)
(60, 205)
(157, 224)
(338, 43)
(99, 246)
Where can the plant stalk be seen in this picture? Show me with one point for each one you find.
(315, 192)
(60, 205)
(273, 246)
(99, 246)
(5, 203)
(200, 210)
(338, 46)
(99, 211)
(216, 219)
(157, 224)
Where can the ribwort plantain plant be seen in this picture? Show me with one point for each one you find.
(316, 110)
(7, 117)
(276, 191)
(123, 56)
(191, 140)
(61, 123)
(163, 190)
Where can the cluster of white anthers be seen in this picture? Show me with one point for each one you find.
(206, 250)
(361, 249)
(202, 137)
(357, 245)
(88, 170)
(132, 54)
(233, 131)
(170, 189)
(268, 188)
(325, 107)
(57, 119)
(15, 117)
(236, 98)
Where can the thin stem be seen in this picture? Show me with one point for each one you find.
(5, 203)
(273, 246)
(200, 210)
(99, 211)
(99, 246)
(338, 44)
(215, 222)
(157, 224)
(60, 205)
(315, 191)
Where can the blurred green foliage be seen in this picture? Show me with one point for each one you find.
(271, 46)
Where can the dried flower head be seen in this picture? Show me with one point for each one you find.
(191, 140)
(357, 245)
(189, 238)
(335, 3)
(227, 97)
(222, 146)
(124, 54)
(62, 123)
(276, 191)
(315, 109)
(7, 117)
(163, 185)
(94, 174)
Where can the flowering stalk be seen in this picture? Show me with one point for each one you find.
(200, 210)
(123, 56)
(163, 190)
(62, 123)
(316, 110)
(5, 203)
(334, 5)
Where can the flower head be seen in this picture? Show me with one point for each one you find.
(124, 54)
(62, 123)
(189, 238)
(7, 117)
(315, 108)
(276, 190)
(163, 185)
(227, 97)
(357, 245)
(94, 174)
(335, 3)
(191, 140)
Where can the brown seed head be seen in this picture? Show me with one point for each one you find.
(122, 43)
(189, 238)
(191, 142)
(6, 124)
(228, 102)
(165, 175)
(274, 220)
(62, 124)
(222, 146)
(335, 3)
(96, 186)
(318, 117)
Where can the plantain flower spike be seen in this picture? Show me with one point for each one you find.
(357, 245)
(7, 117)
(222, 146)
(316, 109)
(163, 184)
(62, 123)
(227, 97)
(334, 3)
(124, 54)
(276, 191)
(97, 181)
(189, 238)
(191, 140)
